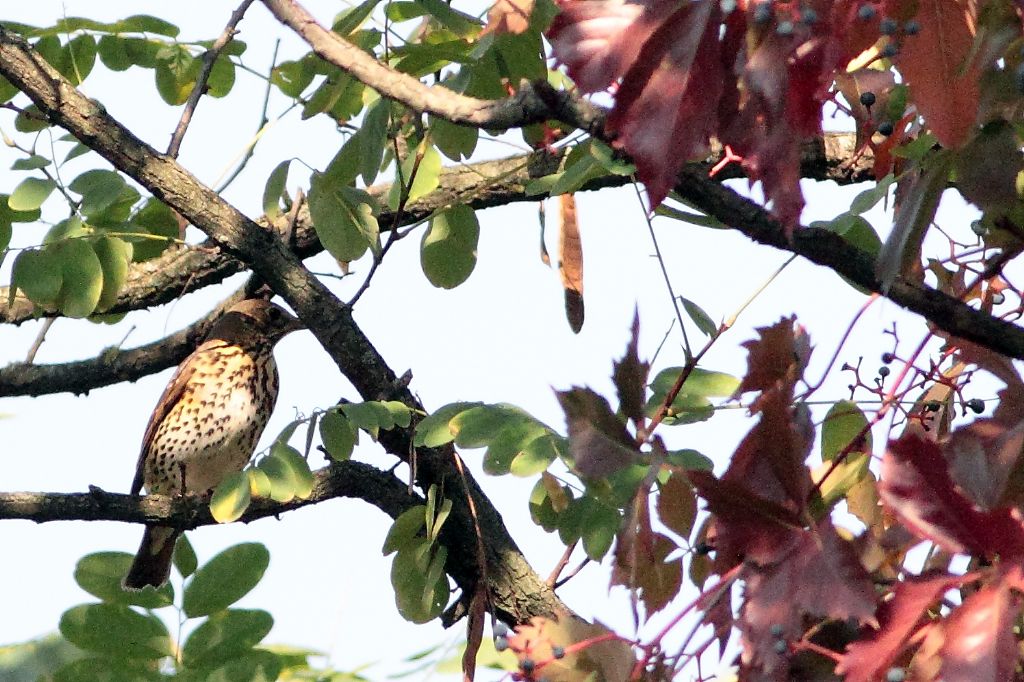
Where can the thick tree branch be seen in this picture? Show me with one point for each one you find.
(340, 479)
(111, 366)
(832, 251)
(181, 270)
(518, 593)
(533, 103)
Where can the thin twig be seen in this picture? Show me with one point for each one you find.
(209, 57)
(560, 566)
(31, 357)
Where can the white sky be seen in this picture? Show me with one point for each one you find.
(501, 336)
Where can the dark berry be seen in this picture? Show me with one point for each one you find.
(777, 630)
(978, 228)
(558, 652)
(785, 28)
(762, 12)
(867, 99)
(500, 630)
(500, 644)
(728, 6)
(888, 357)
(703, 548)
(866, 12)
(883, 371)
(912, 27)
(888, 26)
(527, 665)
(780, 646)
(895, 675)
(808, 16)
(890, 50)
(998, 298)
(885, 127)
(976, 405)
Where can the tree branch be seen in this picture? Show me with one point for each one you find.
(518, 592)
(111, 366)
(340, 479)
(199, 89)
(182, 270)
(832, 251)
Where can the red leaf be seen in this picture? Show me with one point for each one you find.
(598, 40)
(933, 64)
(866, 659)
(598, 440)
(916, 485)
(980, 643)
(630, 375)
(665, 109)
(778, 356)
(818, 575)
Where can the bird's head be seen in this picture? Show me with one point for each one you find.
(254, 320)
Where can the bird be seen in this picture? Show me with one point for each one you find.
(208, 420)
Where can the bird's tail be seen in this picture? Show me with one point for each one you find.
(152, 564)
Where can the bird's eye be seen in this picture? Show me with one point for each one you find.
(275, 314)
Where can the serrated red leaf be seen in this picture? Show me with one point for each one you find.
(937, 66)
(778, 356)
(598, 440)
(917, 487)
(865, 660)
(980, 642)
(818, 575)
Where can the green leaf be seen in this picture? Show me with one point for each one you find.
(448, 249)
(82, 281)
(10, 215)
(607, 158)
(509, 443)
(38, 273)
(399, 413)
(461, 24)
(690, 459)
(81, 58)
(301, 474)
(344, 167)
(350, 19)
(698, 219)
(275, 189)
(225, 635)
(115, 630)
(373, 137)
(99, 189)
(231, 498)
(113, 53)
(281, 478)
(176, 74)
(844, 426)
(144, 23)
(338, 434)
(434, 430)
(6, 232)
(7, 90)
(100, 574)
(405, 529)
(222, 77)
(476, 426)
(143, 51)
(30, 194)
(292, 77)
(699, 317)
(114, 255)
(455, 141)
(33, 162)
(258, 665)
(867, 199)
(225, 579)
(599, 530)
(259, 483)
(418, 599)
(537, 455)
(425, 180)
(100, 669)
(700, 382)
(184, 557)
(157, 219)
(343, 218)
(30, 120)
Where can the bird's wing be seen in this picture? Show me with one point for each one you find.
(170, 396)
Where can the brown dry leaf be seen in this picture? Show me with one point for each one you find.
(474, 633)
(592, 652)
(508, 16)
(556, 493)
(779, 355)
(677, 505)
(570, 250)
